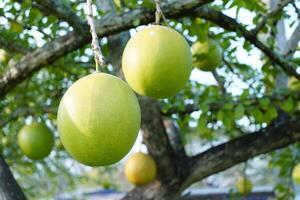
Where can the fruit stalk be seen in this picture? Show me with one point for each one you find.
(158, 14)
(99, 58)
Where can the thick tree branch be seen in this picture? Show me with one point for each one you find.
(292, 43)
(271, 14)
(155, 137)
(9, 188)
(64, 12)
(231, 24)
(108, 25)
(280, 133)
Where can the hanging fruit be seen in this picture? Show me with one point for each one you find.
(157, 62)
(36, 140)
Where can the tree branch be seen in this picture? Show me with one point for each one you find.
(24, 112)
(292, 43)
(189, 108)
(64, 12)
(231, 24)
(280, 133)
(219, 81)
(107, 25)
(155, 137)
(272, 13)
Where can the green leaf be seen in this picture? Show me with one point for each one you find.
(264, 102)
(287, 105)
(228, 106)
(220, 115)
(239, 112)
(201, 127)
(270, 114)
(257, 114)
(136, 22)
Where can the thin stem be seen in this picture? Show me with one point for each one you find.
(159, 14)
(99, 58)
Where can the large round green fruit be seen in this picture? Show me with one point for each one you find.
(157, 62)
(98, 119)
(140, 169)
(36, 140)
(244, 186)
(296, 174)
(207, 56)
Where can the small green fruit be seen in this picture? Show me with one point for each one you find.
(5, 141)
(140, 169)
(244, 186)
(36, 140)
(207, 56)
(3, 56)
(157, 62)
(98, 119)
(294, 84)
(296, 174)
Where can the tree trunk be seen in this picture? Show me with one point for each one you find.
(9, 188)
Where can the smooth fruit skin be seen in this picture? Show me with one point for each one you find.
(140, 169)
(157, 62)
(207, 56)
(296, 174)
(98, 119)
(36, 140)
(244, 186)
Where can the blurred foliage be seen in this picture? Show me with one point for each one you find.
(248, 105)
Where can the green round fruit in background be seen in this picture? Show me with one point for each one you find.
(36, 140)
(157, 62)
(98, 119)
(207, 56)
(244, 186)
(293, 84)
(5, 141)
(296, 174)
(140, 169)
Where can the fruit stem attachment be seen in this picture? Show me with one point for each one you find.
(159, 14)
(245, 168)
(99, 58)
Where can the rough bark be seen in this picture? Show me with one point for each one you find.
(9, 188)
(281, 132)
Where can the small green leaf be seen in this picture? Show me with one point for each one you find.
(228, 106)
(287, 105)
(239, 112)
(201, 127)
(220, 115)
(136, 22)
(264, 102)
(257, 114)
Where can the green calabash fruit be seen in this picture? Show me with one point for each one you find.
(36, 140)
(98, 119)
(157, 62)
(207, 56)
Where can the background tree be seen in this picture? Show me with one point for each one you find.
(249, 112)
